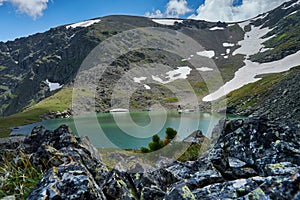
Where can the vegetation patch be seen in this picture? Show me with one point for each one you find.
(157, 143)
(18, 177)
(58, 102)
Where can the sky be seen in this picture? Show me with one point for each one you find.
(19, 18)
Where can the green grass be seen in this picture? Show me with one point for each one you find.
(58, 102)
(18, 177)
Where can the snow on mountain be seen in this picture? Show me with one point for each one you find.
(249, 73)
(53, 86)
(139, 80)
(179, 73)
(253, 41)
(205, 69)
(209, 54)
(217, 28)
(169, 22)
(84, 23)
(292, 5)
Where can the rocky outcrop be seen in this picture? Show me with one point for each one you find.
(54, 115)
(254, 158)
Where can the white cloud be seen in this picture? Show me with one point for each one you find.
(222, 10)
(154, 14)
(174, 8)
(33, 8)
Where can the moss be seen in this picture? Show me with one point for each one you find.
(187, 194)
(121, 183)
(277, 166)
(137, 176)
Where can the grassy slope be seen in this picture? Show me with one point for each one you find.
(58, 102)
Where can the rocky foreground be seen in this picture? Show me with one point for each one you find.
(253, 159)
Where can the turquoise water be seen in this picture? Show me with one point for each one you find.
(131, 130)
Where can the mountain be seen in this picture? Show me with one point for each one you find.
(244, 52)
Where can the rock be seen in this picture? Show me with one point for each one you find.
(118, 185)
(73, 166)
(71, 181)
(196, 137)
(234, 162)
(254, 158)
(152, 193)
(164, 162)
(11, 142)
(182, 192)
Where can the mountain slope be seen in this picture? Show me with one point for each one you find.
(275, 95)
(57, 54)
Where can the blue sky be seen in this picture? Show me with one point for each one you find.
(24, 17)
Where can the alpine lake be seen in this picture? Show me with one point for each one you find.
(130, 130)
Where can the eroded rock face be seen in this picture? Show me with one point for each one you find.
(73, 166)
(253, 159)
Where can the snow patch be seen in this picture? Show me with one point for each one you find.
(189, 58)
(205, 69)
(216, 28)
(227, 51)
(53, 86)
(147, 87)
(244, 24)
(169, 22)
(291, 14)
(84, 23)
(185, 59)
(294, 4)
(179, 73)
(225, 44)
(209, 54)
(261, 17)
(139, 80)
(265, 49)
(252, 42)
(226, 57)
(248, 73)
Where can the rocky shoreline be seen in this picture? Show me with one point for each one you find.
(255, 158)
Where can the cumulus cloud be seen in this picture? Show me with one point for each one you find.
(174, 8)
(155, 14)
(223, 10)
(177, 8)
(33, 8)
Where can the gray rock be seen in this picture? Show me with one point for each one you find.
(71, 181)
